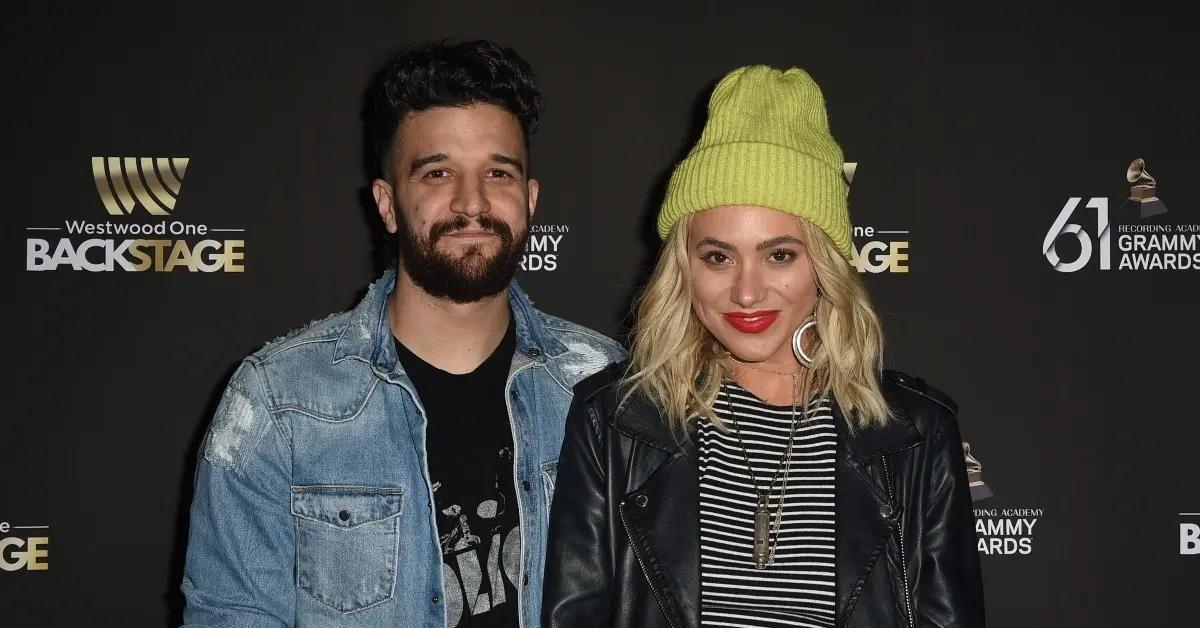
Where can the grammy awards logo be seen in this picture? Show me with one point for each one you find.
(153, 182)
(1143, 201)
(979, 489)
(1136, 243)
(1000, 530)
(544, 247)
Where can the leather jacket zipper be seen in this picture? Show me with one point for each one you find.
(638, 555)
(887, 479)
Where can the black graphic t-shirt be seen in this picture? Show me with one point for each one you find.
(470, 449)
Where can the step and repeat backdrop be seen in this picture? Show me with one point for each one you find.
(184, 183)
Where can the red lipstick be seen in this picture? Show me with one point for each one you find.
(752, 322)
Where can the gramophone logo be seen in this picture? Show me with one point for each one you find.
(152, 182)
(1144, 241)
(142, 233)
(979, 489)
(876, 250)
(1143, 200)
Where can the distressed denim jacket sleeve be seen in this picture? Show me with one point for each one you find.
(241, 546)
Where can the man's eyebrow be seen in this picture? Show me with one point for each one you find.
(786, 239)
(512, 161)
(720, 244)
(426, 160)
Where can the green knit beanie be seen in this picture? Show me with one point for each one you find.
(766, 143)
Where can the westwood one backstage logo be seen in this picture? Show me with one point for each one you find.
(24, 547)
(1140, 245)
(875, 250)
(141, 232)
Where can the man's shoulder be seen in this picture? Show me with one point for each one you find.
(586, 350)
(578, 338)
(307, 369)
(301, 344)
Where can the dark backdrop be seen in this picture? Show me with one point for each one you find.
(972, 127)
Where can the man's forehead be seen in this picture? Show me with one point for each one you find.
(479, 128)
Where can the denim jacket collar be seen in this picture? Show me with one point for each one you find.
(368, 336)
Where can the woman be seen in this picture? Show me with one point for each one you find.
(753, 465)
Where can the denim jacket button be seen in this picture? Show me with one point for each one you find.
(436, 599)
(344, 515)
(887, 511)
(535, 352)
(641, 501)
(525, 485)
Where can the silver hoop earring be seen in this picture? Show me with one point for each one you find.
(798, 344)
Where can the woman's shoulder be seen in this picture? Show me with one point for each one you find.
(917, 390)
(609, 402)
(603, 383)
(928, 408)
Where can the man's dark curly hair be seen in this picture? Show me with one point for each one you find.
(446, 74)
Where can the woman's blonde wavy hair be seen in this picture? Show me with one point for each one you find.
(677, 364)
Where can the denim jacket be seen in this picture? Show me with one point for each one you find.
(312, 503)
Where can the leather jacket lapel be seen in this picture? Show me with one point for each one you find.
(866, 516)
(661, 512)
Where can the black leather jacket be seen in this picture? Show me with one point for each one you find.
(624, 546)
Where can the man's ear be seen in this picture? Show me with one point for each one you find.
(533, 196)
(382, 191)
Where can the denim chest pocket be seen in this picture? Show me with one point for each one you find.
(347, 544)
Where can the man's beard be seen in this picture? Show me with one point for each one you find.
(467, 278)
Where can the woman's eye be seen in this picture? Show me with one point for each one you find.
(715, 257)
(782, 256)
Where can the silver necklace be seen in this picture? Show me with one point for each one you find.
(766, 535)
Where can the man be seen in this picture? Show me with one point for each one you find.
(393, 465)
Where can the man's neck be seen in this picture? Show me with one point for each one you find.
(454, 337)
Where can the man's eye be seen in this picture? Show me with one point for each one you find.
(499, 174)
(439, 173)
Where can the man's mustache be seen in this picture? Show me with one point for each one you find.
(460, 223)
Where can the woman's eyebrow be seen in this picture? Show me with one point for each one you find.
(721, 244)
(786, 239)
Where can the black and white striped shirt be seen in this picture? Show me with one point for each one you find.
(798, 589)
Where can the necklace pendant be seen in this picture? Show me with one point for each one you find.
(762, 534)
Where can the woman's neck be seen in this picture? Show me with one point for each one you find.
(775, 386)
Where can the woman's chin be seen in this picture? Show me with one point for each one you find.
(752, 352)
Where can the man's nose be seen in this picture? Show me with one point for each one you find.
(470, 198)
